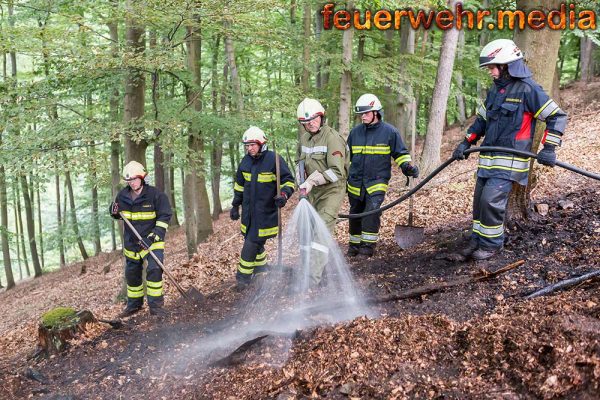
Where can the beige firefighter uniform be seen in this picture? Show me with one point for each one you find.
(325, 152)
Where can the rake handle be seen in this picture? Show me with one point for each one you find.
(160, 264)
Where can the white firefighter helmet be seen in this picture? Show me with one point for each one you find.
(309, 109)
(499, 51)
(254, 135)
(367, 102)
(133, 170)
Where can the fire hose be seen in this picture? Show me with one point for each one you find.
(446, 163)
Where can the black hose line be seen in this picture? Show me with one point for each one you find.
(450, 161)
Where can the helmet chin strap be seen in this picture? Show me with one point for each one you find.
(372, 119)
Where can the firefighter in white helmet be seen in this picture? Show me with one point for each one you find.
(324, 154)
(507, 118)
(373, 144)
(255, 189)
(149, 212)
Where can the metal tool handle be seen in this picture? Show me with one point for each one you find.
(279, 235)
(160, 264)
(301, 178)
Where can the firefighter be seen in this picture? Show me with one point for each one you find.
(507, 118)
(325, 157)
(373, 144)
(255, 189)
(149, 212)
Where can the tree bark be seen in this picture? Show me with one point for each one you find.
(460, 98)
(196, 142)
(94, 182)
(346, 82)
(29, 217)
(40, 227)
(19, 226)
(216, 155)
(407, 102)
(540, 48)
(73, 212)
(10, 280)
(135, 85)
(115, 141)
(586, 61)
(59, 224)
(430, 158)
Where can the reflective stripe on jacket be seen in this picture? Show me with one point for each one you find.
(149, 212)
(508, 118)
(372, 149)
(255, 188)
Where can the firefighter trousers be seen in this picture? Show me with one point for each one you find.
(154, 281)
(327, 201)
(253, 259)
(489, 210)
(365, 231)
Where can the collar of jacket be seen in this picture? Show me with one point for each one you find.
(373, 126)
(502, 82)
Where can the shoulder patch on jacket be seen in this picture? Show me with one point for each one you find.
(337, 153)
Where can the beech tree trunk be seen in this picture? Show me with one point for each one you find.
(430, 158)
(19, 227)
(59, 224)
(73, 216)
(10, 280)
(37, 267)
(540, 48)
(346, 83)
(406, 103)
(135, 86)
(586, 47)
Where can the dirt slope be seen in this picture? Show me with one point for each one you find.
(478, 340)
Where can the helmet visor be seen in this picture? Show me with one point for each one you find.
(362, 109)
(308, 119)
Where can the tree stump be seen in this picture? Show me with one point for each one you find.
(59, 325)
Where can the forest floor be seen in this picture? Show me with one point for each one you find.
(477, 340)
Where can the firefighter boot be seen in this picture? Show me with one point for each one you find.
(353, 250)
(367, 250)
(484, 253)
(129, 311)
(468, 250)
(159, 312)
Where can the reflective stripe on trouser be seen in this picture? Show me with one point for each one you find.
(154, 282)
(326, 200)
(366, 228)
(253, 255)
(489, 209)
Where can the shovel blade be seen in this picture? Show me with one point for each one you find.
(193, 295)
(408, 236)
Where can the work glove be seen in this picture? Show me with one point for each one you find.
(146, 242)
(114, 210)
(281, 200)
(410, 170)
(547, 156)
(314, 179)
(234, 213)
(459, 152)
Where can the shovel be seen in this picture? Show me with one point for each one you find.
(192, 295)
(409, 235)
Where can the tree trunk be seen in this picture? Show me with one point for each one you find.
(135, 85)
(59, 224)
(94, 181)
(37, 268)
(170, 187)
(10, 280)
(216, 154)
(19, 226)
(540, 48)
(460, 98)
(189, 215)
(430, 158)
(40, 228)
(73, 215)
(196, 143)
(115, 142)
(586, 61)
(407, 103)
(346, 82)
